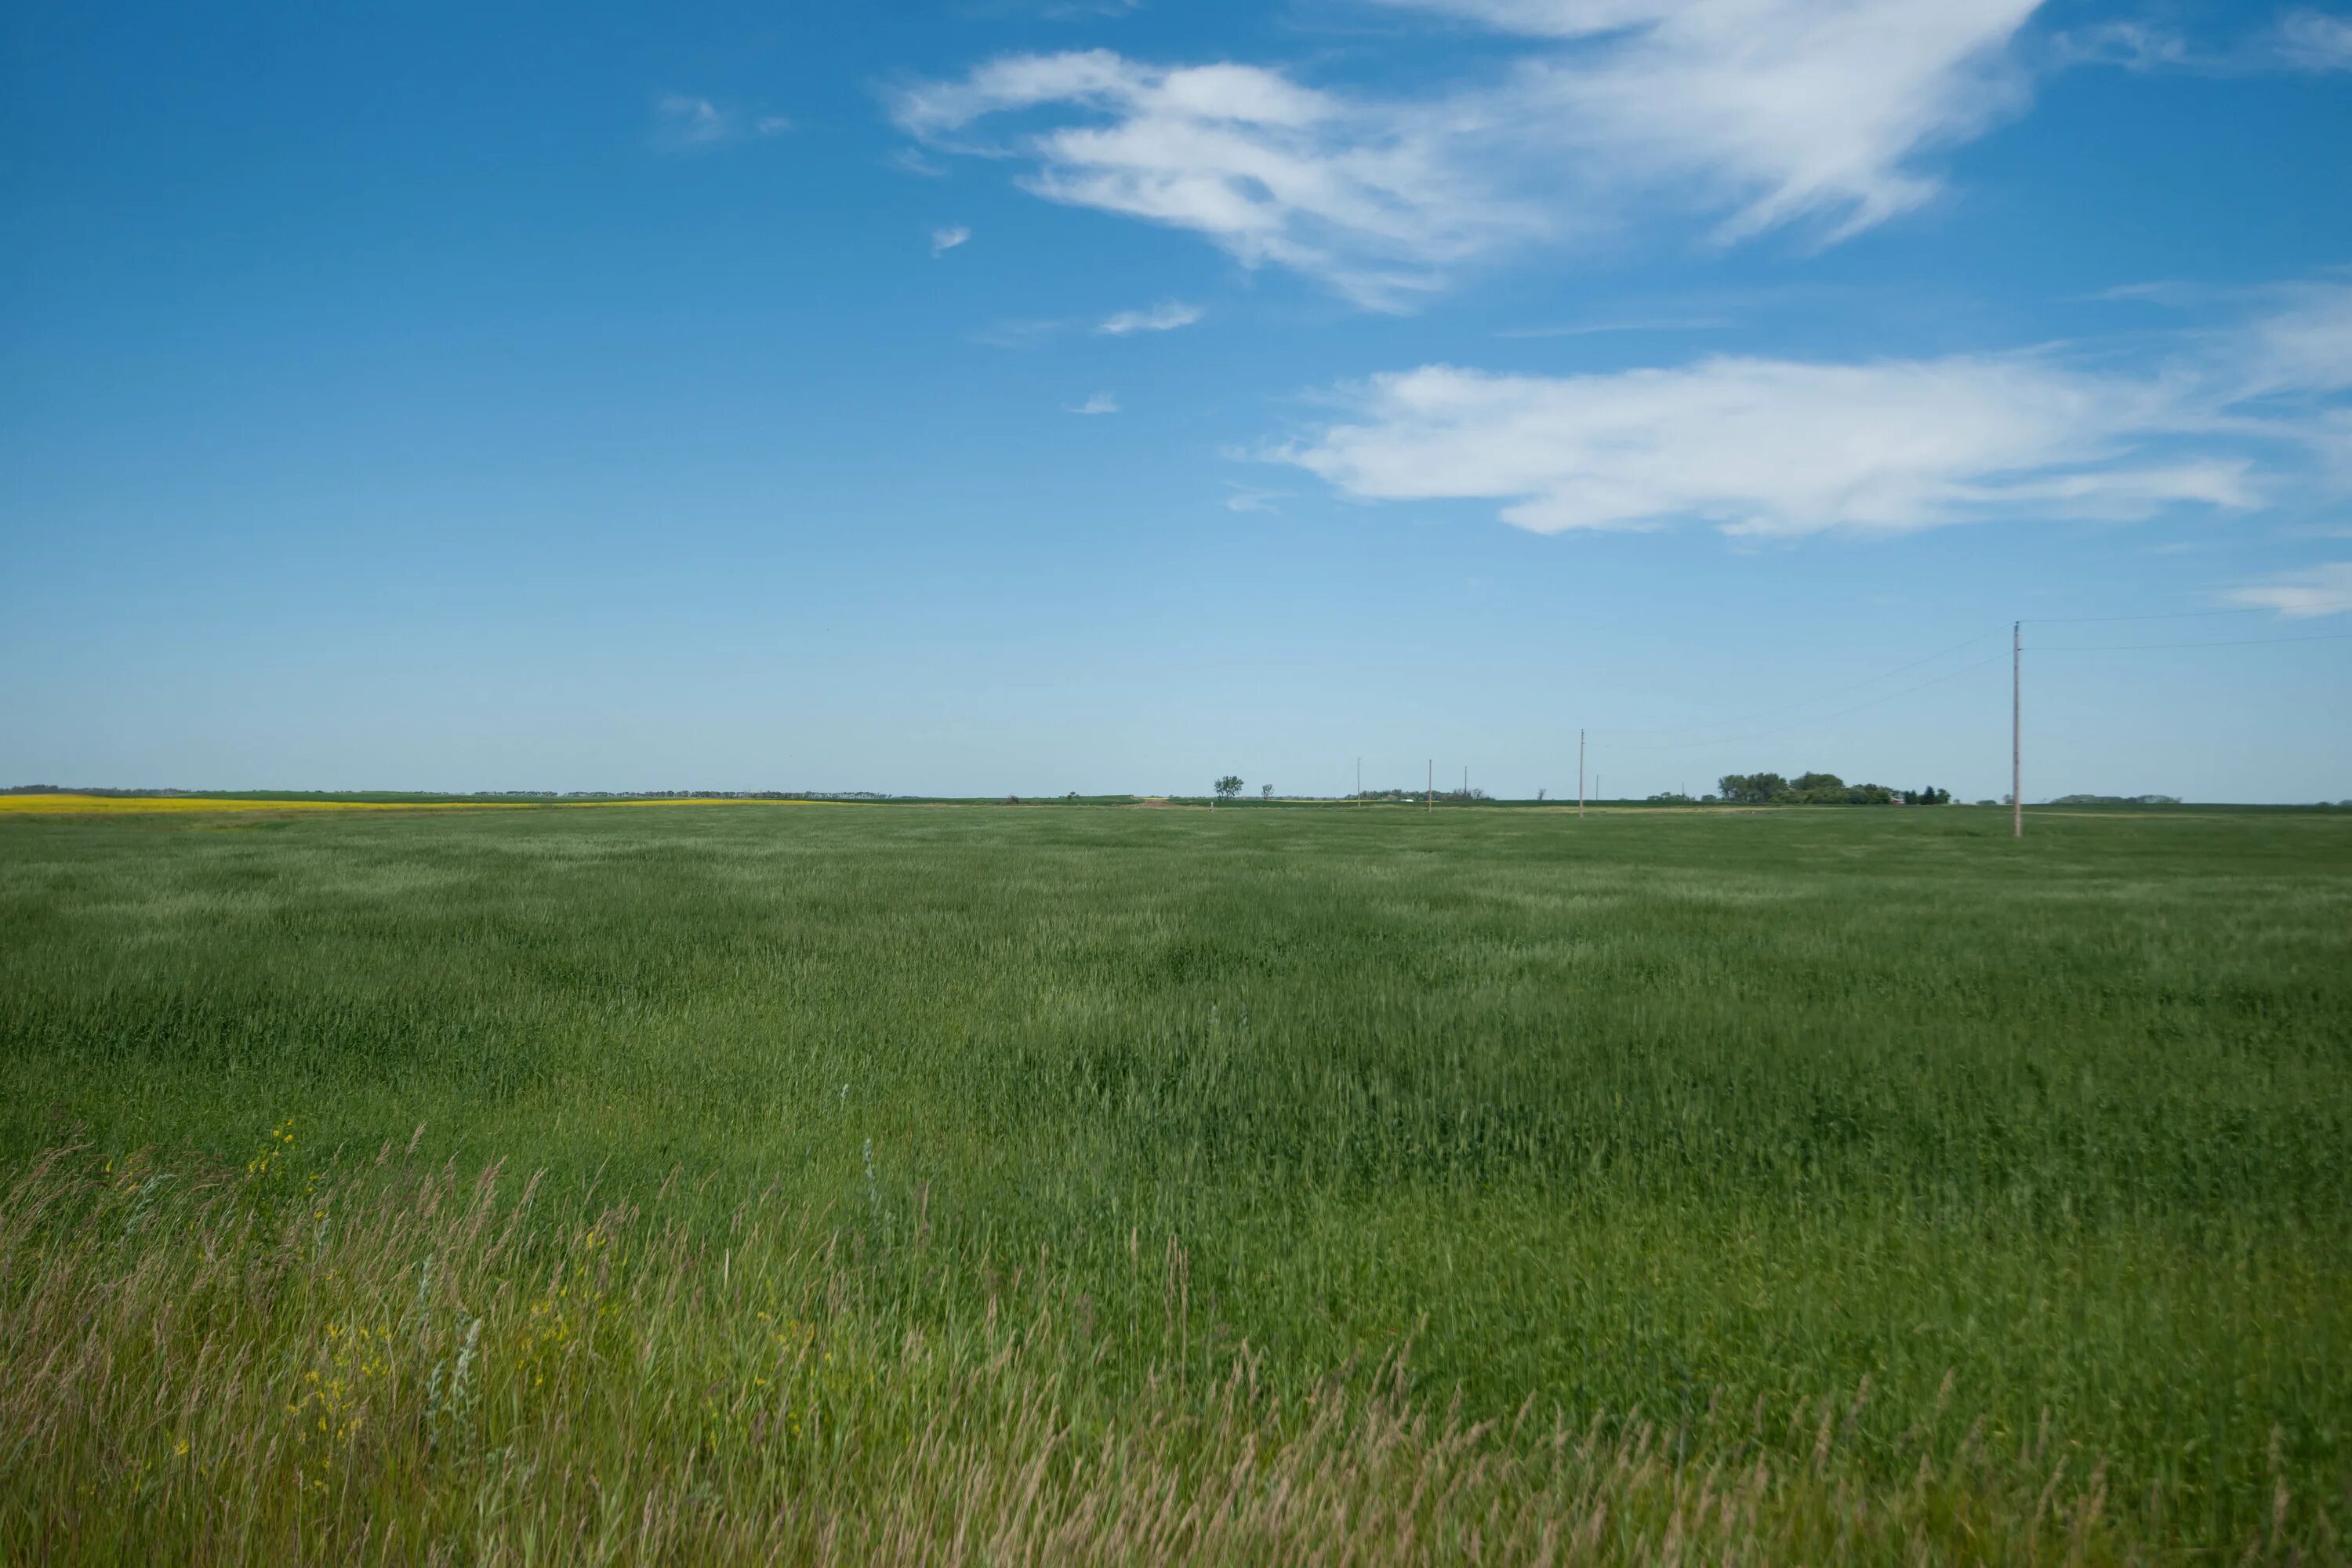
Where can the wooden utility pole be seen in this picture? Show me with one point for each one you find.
(2017, 729)
(1580, 772)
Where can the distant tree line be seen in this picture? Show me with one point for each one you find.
(592, 795)
(1820, 789)
(1415, 796)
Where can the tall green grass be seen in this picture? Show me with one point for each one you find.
(1701, 1128)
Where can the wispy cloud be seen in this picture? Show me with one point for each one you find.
(946, 239)
(681, 122)
(1249, 498)
(2133, 45)
(2323, 590)
(1631, 324)
(1052, 10)
(1024, 332)
(1759, 113)
(1100, 403)
(686, 123)
(2303, 41)
(1020, 333)
(2313, 40)
(1360, 195)
(1775, 109)
(1759, 447)
(1784, 447)
(1164, 317)
(2162, 292)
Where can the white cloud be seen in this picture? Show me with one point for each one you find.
(1100, 403)
(2313, 40)
(2159, 291)
(1780, 109)
(946, 239)
(1630, 324)
(686, 123)
(681, 121)
(2331, 436)
(1020, 333)
(2303, 41)
(1757, 446)
(1164, 317)
(1248, 498)
(2304, 344)
(1760, 113)
(2325, 590)
(1779, 448)
(1367, 197)
(2132, 45)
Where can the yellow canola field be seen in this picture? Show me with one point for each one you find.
(119, 804)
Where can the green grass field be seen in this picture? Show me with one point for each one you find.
(940, 1184)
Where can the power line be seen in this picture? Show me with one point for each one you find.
(2165, 615)
(2235, 642)
(1807, 701)
(1715, 739)
(1822, 718)
(1701, 730)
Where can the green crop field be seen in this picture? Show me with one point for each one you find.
(767, 1182)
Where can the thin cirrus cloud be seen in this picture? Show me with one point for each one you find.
(1628, 324)
(1364, 197)
(1769, 448)
(946, 239)
(2313, 41)
(686, 123)
(2303, 41)
(1033, 331)
(1754, 114)
(1774, 110)
(2323, 590)
(1164, 317)
(1100, 403)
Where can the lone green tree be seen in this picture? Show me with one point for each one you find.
(1229, 787)
(1752, 789)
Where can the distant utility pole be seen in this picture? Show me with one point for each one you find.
(1360, 781)
(2017, 729)
(1465, 782)
(1580, 772)
(1429, 789)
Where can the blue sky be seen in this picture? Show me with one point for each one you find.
(1023, 396)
